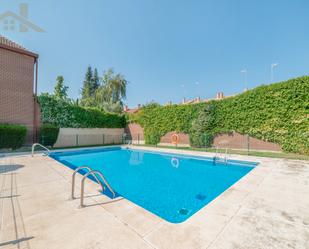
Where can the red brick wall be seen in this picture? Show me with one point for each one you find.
(238, 141)
(135, 131)
(16, 90)
(233, 140)
(183, 138)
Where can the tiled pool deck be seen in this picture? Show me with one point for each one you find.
(268, 208)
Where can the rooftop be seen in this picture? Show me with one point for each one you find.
(11, 45)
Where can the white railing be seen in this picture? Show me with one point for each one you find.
(93, 173)
(40, 145)
(221, 156)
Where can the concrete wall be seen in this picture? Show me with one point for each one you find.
(16, 90)
(83, 136)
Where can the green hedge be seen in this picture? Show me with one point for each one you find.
(48, 134)
(12, 136)
(201, 132)
(63, 114)
(157, 120)
(277, 113)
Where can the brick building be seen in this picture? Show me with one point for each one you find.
(18, 87)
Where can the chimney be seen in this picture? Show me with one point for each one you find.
(183, 100)
(23, 12)
(220, 95)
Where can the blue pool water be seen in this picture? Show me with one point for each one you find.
(171, 186)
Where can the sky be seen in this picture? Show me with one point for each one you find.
(167, 50)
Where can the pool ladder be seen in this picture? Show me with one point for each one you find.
(40, 145)
(218, 156)
(95, 174)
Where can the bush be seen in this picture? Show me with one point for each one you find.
(12, 136)
(157, 120)
(48, 134)
(62, 113)
(201, 130)
(276, 113)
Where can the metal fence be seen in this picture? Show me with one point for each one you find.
(232, 141)
(134, 138)
(80, 140)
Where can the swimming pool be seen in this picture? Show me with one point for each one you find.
(171, 186)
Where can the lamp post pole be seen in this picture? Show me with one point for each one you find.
(272, 66)
(197, 88)
(244, 71)
(184, 93)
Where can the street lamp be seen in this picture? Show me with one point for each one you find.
(184, 93)
(273, 65)
(197, 87)
(244, 71)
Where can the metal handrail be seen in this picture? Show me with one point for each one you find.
(73, 179)
(93, 172)
(217, 154)
(37, 144)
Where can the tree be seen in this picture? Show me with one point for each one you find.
(107, 96)
(95, 83)
(112, 107)
(86, 90)
(116, 86)
(60, 91)
(200, 132)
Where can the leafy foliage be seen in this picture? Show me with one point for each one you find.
(60, 91)
(87, 88)
(158, 120)
(107, 96)
(64, 114)
(48, 134)
(95, 82)
(12, 136)
(112, 92)
(277, 113)
(201, 134)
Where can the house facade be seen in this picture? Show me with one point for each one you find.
(18, 87)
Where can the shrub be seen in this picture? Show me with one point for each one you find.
(48, 134)
(201, 130)
(12, 136)
(276, 113)
(62, 113)
(158, 120)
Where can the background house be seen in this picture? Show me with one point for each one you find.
(18, 87)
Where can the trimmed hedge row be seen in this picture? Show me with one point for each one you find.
(63, 114)
(48, 134)
(158, 120)
(12, 136)
(276, 113)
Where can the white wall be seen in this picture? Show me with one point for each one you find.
(88, 136)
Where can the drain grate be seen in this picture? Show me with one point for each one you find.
(183, 211)
(200, 197)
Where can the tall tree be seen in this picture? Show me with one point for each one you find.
(95, 83)
(60, 90)
(86, 90)
(110, 95)
(116, 85)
